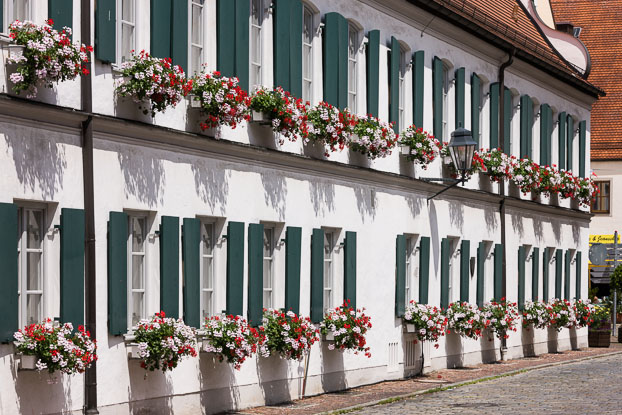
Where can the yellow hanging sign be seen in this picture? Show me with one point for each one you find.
(603, 239)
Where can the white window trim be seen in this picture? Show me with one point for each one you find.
(309, 80)
(9, 13)
(331, 288)
(203, 310)
(119, 29)
(130, 254)
(254, 83)
(202, 36)
(412, 268)
(480, 107)
(404, 64)
(353, 89)
(455, 249)
(271, 259)
(446, 90)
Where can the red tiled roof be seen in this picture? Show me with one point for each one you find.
(601, 31)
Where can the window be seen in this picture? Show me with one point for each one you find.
(446, 86)
(255, 44)
(402, 87)
(196, 36)
(353, 46)
(207, 269)
(454, 269)
(16, 10)
(600, 204)
(126, 29)
(136, 269)
(329, 247)
(412, 269)
(31, 223)
(480, 108)
(268, 266)
(307, 55)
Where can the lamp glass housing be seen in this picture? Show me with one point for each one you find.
(461, 149)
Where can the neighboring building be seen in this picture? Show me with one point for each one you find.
(150, 174)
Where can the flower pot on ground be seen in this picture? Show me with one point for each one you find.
(286, 334)
(287, 115)
(230, 338)
(426, 321)
(329, 126)
(599, 330)
(348, 327)
(419, 146)
(372, 137)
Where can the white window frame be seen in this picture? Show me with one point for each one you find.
(207, 311)
(9, 13)
(22, 248)
(191, 46)
(446, 90)
(353, 32)
(328, 256)
(307, 78)
(268, 280)
(404, 62)
(412, 268)
(454, 269)
(480, 108)
(130, 254)
(256, 79)
(120, 24)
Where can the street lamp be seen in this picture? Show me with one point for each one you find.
(461, 149)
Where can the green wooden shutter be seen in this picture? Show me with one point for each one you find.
(558, 273)
(235, 268)
(317, 275)
(349, 271)
(394, 84)
(582, 150)
(567, 272)
(255, 273)
(522, 258)
(578, 276)
(525, 126)
(561, 163)
(373, 71)
(498, 274)
(418, 87)
(191, 257)
(424, 269)
(481, 273)
(465, 269)
(9, 300)
(437, 98)
(161, 20)
(445, 272)
(400, 275)
(335, 39)
(535, 272)
(570, 145)
(293, 240)
(282, 21)
(1, 16)
(72, 266)
(242, 59)
(475, 109)
(545, 135)
(179, 34)
(225, 37)
(545, 274)
(460, 97)
(494, 115)
(507, 121)
(61, 11)
(295, 48)
(169, 266)
(106, 30)
(117, 273)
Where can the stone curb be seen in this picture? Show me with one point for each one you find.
(392, 399)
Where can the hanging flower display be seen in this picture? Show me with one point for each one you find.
(57, 348)
(464, 319)
(231, 339)
(287, 334)
(424, 148)
(220, 98)
(328, 125)
(347, 328)
(48, 57)
(500, 317)
(153, 82)
(287, 115)
(535, 315)
(372, 137)
(163, 342)
(429, 321)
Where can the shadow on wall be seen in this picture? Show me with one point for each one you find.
(144, 175)
(273, 379)
(552, 336)
(275, 191)
(537, 228)
(322, 196)
(211, 181)
(487, 347)
(454, 350)
(42, 392)
(435, 240)
(527, 340)
(333, 375)
(366, 201)
(557, 230)
(39, 163)
(576, 234)
(149, 392)
(490, 216)
(219, 391)
(517, 225)
(415, 204)
(456, 214)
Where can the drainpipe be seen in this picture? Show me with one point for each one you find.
(501, 79)
(90, 375)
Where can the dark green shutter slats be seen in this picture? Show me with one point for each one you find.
(545, 274)
(507, 121)
(418, 87)
(288, 46)
(424, 269)
(558, 273)
(117, 273)
(295, 48)
(582, 149)
(293, 240)
(335, 48)
(1, 16)
(191, 257)
(494, 115)
(526, 122)
(578, 276)
(169, 266)
(522, 259)
(72, 266)
(460, 97)
(232, 34)
(437, 98)
(535, 272)
(561, 162)
(570, 143)
(498, 273)
(465, 269)
(179, 34)
(445, 246)
(255, 273)
(235, 268)
(61, 12)
(317, 275)
(106, 30)
(160, 12)
(545, 134)
(481, 273)
(349, 269)
(400, 275)
(9, 300)
(567, 274)
(373, 71)
(394, 84)
(475, 102)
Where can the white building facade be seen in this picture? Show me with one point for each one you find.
(153, 173)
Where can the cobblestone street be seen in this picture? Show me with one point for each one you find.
(587, 387)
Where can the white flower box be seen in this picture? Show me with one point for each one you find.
(447, 160)
(409, 328)
(329, 337)
(193, 102)
(259, 117)
(405, 150)
(132, 351)
(27, 362)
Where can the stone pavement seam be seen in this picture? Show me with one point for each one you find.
(397, 398)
